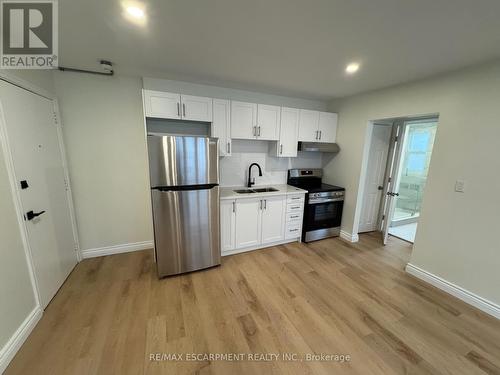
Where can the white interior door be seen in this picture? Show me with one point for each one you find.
(374, 185)
(33, 138)
(391, 176)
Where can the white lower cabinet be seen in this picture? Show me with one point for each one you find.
(250, 223)
(273, 219)
(227, 220)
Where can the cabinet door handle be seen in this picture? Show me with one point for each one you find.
(234, 206)
(258, 133)
(260, 204)
(178, 109)
(320, 134)
(281, 149)
(228, 147)
(254, 131)
(265, 204)
(316, 135)
(184, 109)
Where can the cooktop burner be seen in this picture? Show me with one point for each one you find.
(310, 180)
(320, 188)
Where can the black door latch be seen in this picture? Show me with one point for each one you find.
(30, 215)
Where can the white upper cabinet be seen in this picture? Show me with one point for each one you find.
(273, 219)
(196, 108)
(175, 106)
(268, 122)
(162, 104)
(315, 126)
(289, 133)
(243, 120)
(308, 125)
(327, 127)
(221, 125)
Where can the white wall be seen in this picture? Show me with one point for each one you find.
(457, 233)
(188, 88)
(104, 135)
(17, 297)
(103, 131)
(234, 168)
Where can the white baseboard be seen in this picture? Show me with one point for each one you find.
(258, 247)
(116, 249)
(349, 236)
(459, 292)
(18, 338)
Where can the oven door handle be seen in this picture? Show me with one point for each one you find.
(318, 201)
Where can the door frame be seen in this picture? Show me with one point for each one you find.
(388, 124)
(353, 237)
(16, 197)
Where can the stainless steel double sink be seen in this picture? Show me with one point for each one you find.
(256, 190)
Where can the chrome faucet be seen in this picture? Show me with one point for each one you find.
(250, 182)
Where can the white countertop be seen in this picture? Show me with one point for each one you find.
(228, 191)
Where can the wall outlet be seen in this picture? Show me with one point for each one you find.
(460, 186)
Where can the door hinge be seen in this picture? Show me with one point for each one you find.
(389, 179)
(383, 217)
(396, 138)
(55, 118)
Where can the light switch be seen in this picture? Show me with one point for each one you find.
(460, 186)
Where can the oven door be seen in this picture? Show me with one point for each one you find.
(322, 219)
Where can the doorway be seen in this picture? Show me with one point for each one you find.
(31, 142)
(393, 195)
(411, 177)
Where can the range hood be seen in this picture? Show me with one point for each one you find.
(318, 147)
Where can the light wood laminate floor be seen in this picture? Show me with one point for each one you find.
(327, 297)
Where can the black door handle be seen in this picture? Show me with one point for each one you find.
(380, 188)
(30, 215)
(392, 194)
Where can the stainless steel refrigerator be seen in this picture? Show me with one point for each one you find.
(184, 177)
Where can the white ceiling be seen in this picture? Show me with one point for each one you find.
(289, 47)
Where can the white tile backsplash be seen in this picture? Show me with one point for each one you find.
(234, 168)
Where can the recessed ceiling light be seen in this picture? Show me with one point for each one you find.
(352, 68)
(135, 12)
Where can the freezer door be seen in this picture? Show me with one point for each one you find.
(178, 161)
(186, 226)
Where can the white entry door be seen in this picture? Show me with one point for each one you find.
(33, 139)
(376, 169)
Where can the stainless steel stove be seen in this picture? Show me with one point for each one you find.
(323, 205)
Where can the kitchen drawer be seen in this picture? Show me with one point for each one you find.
(292, 230)
(295, 198)
(294, 216)
(295, 207)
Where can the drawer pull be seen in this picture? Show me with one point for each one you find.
(296, 198)
(294, 207)
(295, 216)
(293, 230)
